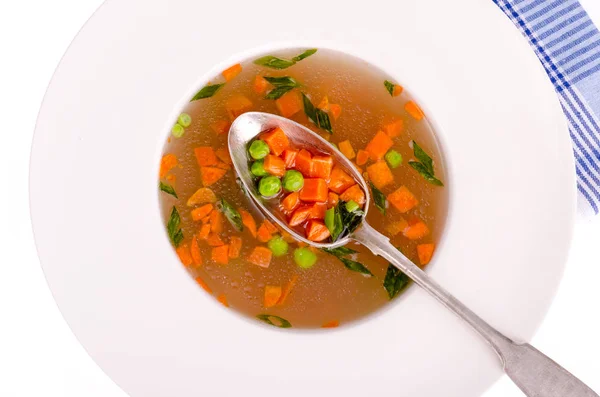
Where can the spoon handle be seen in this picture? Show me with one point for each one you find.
(533, 372)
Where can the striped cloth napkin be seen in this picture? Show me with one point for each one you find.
(568, 45)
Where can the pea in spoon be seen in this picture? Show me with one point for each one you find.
(533, 372)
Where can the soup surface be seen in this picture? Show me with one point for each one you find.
(240, 258)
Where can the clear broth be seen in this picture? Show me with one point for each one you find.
(328, 291)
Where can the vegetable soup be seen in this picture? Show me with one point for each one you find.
(240, 258)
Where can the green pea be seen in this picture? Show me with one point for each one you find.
(259, 149)
(330, 219)
(305, 258)
(393, 158)
(352, 206)
(278, 246)
(177, 131)
(269, 186)
(185, 120)
(258, 168)
(293, 181)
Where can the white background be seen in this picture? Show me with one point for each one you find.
(39, 356)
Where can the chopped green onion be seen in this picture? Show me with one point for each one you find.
(177, 130)
(207, 91)
(352, 206)
(168, 189)
(279, 321)
(185, 120)
(330, 219)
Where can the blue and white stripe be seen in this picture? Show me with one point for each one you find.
(568, 45)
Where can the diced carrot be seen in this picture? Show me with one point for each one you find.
(248, 221)
(231, 72)
(318, 211)
(167, 163)
(205, 220)
(340, 180)
(223, 155)
(235, 246)
(201, 196)
(289, 104)
(277, 140)
(171, 178)
(300, 215)
(380, 174)
(221, 126)
(290, 202)
(274, 165)
(321, 167)
(397, 90)
(223, 300)
(270, 227)
(324, 104)
(335, 110)
(216, 222)
(260, 256)
(263, 234)
(414, 110)
(272, 295)
(260, 85)
(211, 175)
(362, 157)
(289, 157)
(203, 285)
(354, 193)
(204, 232)
(236, 105)
(314, 190)
(416, 229)
(403, 199)
(394, 128)
(304, 162)
(214, 240)
(287, 289)
(331, 324)
(205, 155)
(201, 212)
(220, 254)
(379, 145)
(317, 231)
(396, 227)
(332, 199)
(183, 251)
(347, 149)
(425, 253)
(195, 251)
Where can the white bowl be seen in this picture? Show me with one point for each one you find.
(142, 318)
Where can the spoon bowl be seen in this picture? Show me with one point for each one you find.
(248, 126)
(533, 372)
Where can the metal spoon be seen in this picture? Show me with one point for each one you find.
(533, 372)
